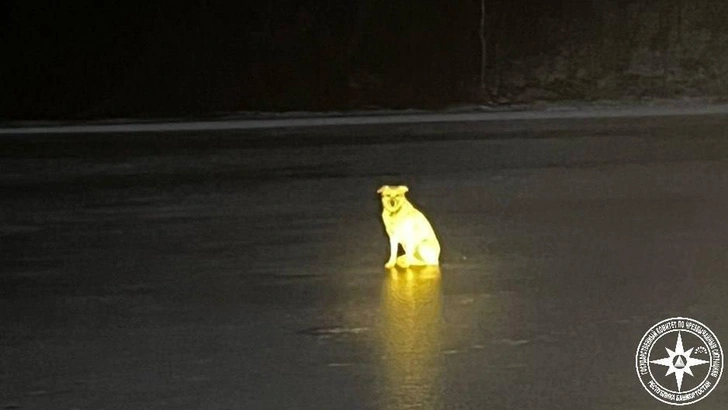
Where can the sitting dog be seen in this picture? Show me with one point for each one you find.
(408, 227)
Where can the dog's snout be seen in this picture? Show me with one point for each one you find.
(392, 202)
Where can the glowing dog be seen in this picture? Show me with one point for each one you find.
(408, 227)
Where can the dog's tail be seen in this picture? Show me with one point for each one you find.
(428, 254)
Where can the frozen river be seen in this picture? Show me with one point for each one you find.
(243, 269)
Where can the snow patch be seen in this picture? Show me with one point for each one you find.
(289, 120)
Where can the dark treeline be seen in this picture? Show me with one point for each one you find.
(211, 56)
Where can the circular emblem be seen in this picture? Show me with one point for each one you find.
(679, 361)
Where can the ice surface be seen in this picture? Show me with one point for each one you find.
(248, 276)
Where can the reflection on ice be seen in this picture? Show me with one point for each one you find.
(411, 338)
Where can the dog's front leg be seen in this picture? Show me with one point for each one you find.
(393, 245)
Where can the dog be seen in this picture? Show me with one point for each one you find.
(408, 227)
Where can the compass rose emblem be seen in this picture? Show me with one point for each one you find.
(679, 361)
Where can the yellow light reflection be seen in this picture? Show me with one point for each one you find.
(412, 325)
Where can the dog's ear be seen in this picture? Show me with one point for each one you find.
(382, 189)
(403, 189)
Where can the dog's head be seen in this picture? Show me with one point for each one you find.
(393, 197)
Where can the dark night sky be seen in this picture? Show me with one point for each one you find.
(203, 57)
(64, 59)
